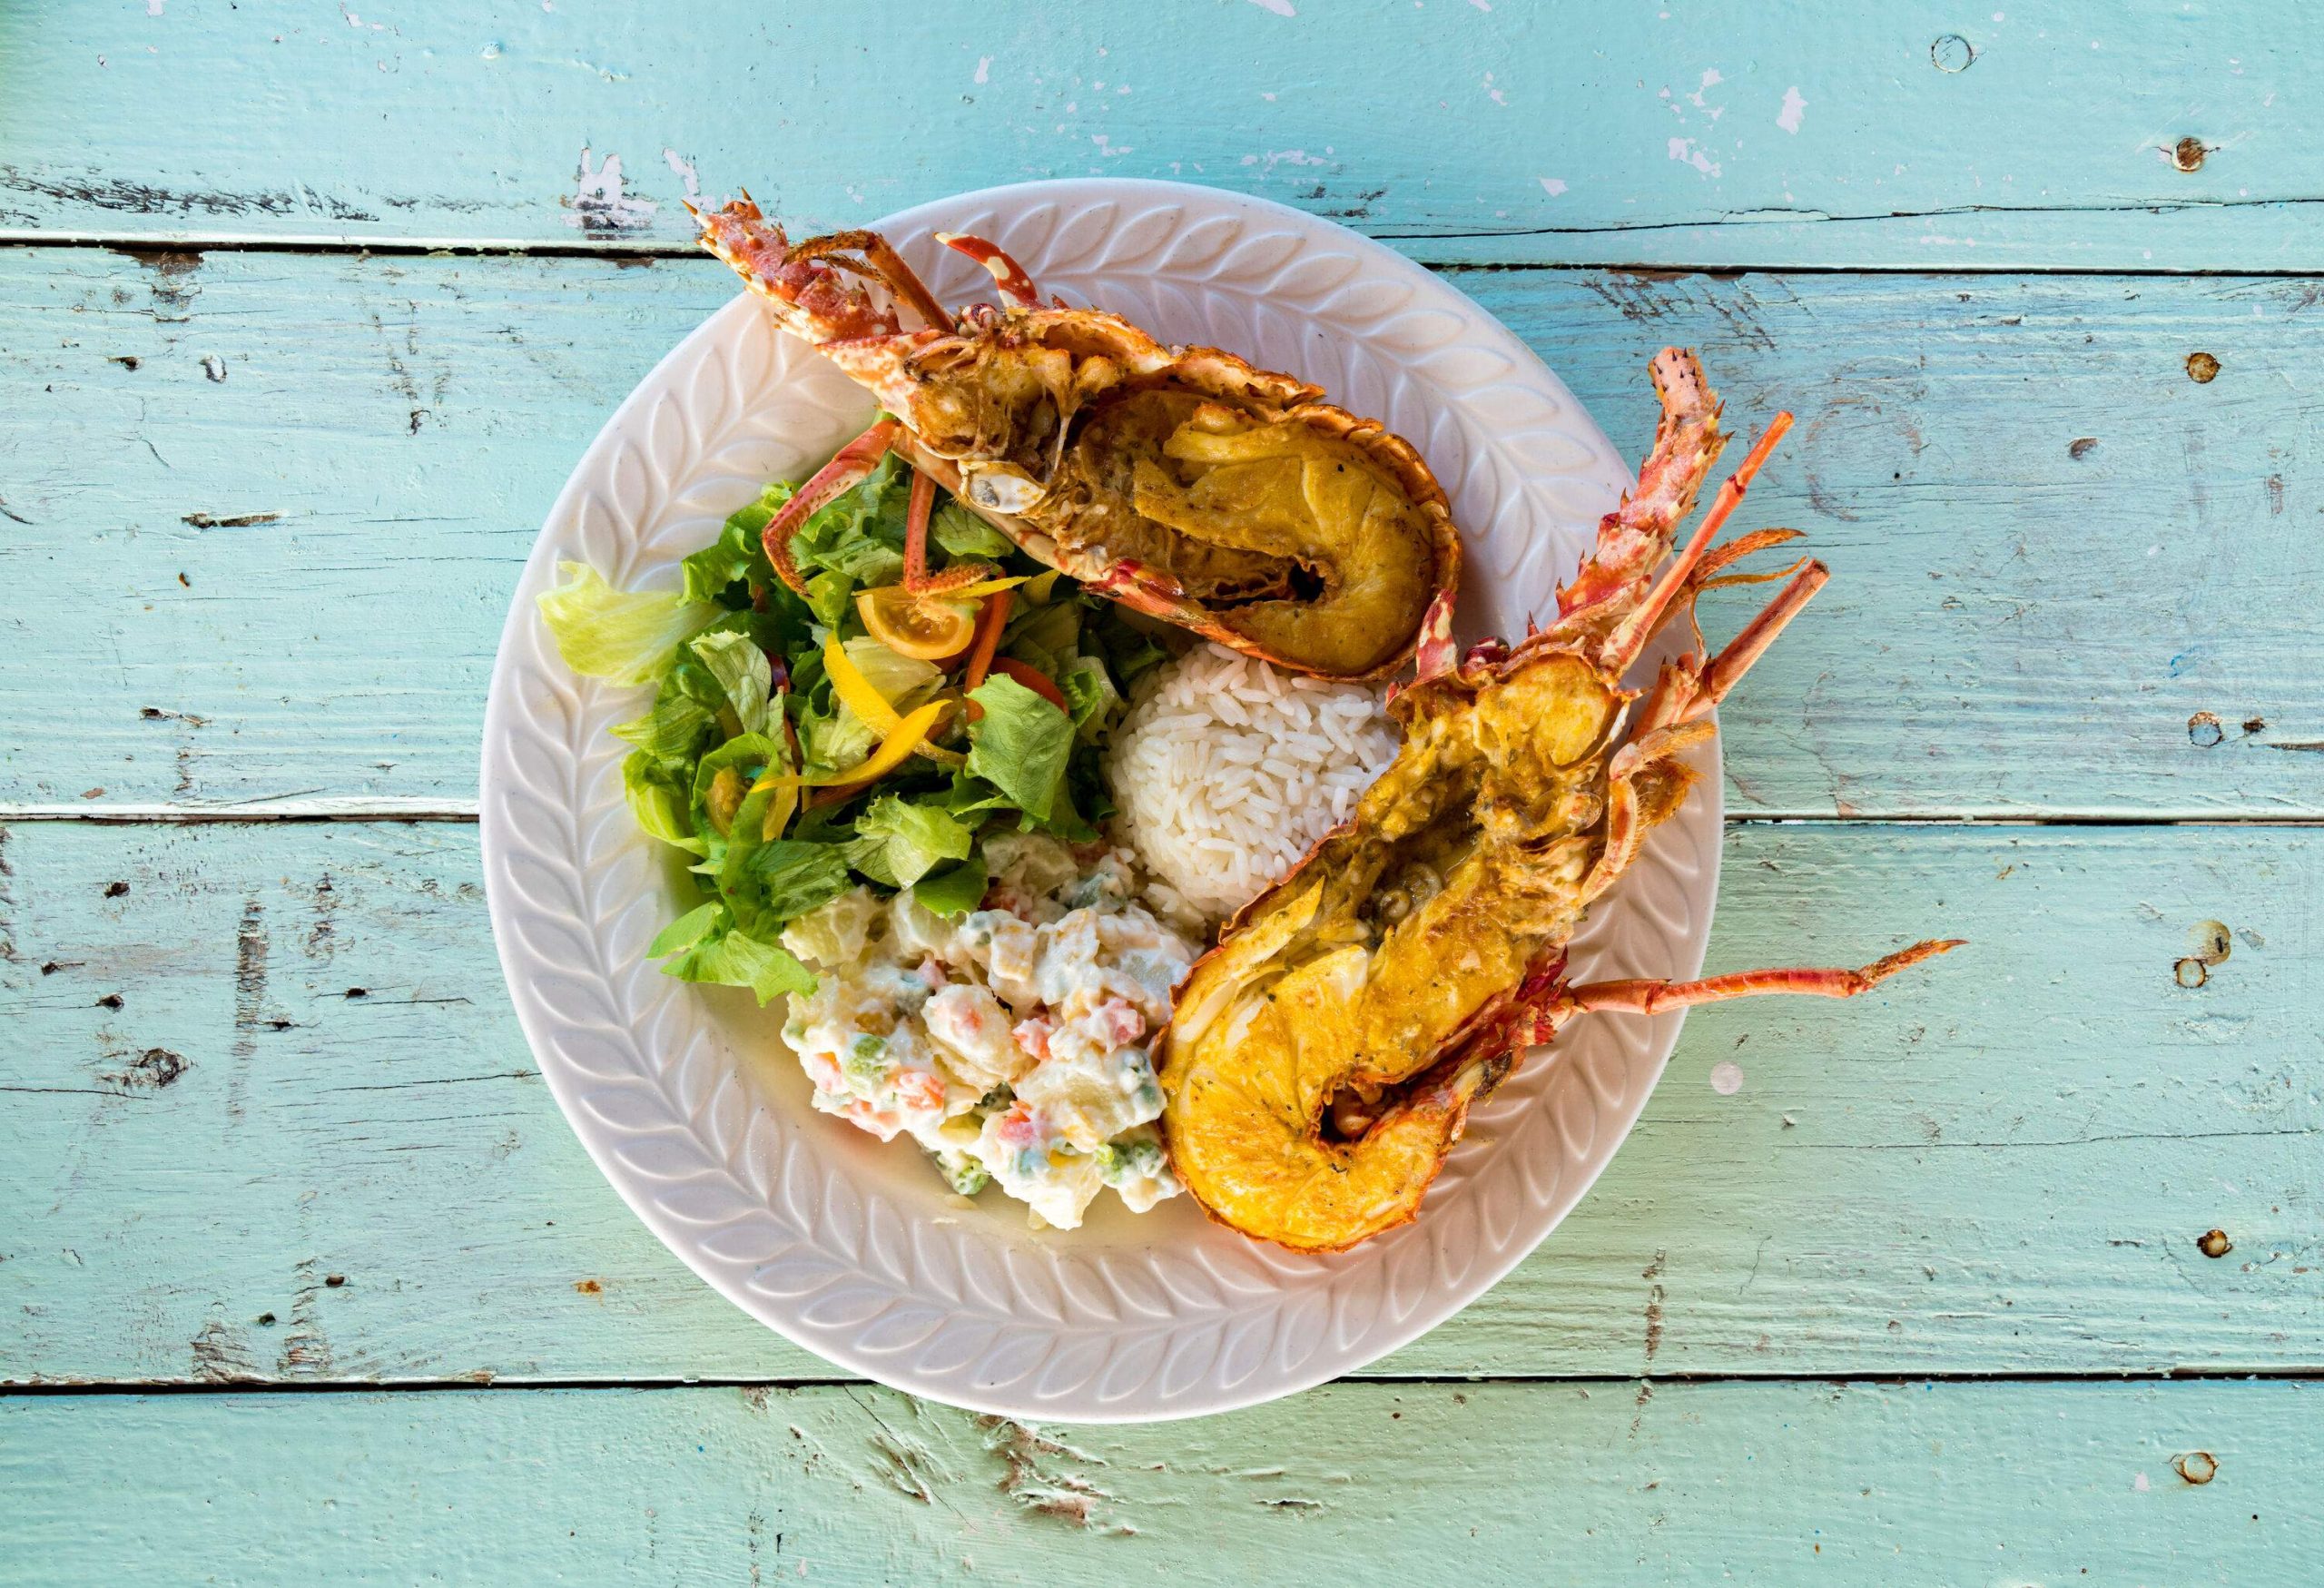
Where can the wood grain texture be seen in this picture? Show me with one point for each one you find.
(2001, 1164)
(1421, 1483)
(2069, 579)
(1915, 134)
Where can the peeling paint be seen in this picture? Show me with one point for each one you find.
(1034, 1476)
(1683, 150)
(598, 204)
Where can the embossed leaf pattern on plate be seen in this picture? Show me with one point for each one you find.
(681, 1094)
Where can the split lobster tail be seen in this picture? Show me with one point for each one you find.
(1322, 1059)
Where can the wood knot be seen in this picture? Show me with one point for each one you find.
(2201, 368)
(2187, 154)
(2197, 1466)
(2213, 1243)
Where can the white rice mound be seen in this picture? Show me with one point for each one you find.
(1227, 770)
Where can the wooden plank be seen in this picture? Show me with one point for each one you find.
(1421, 1483)
(1910, 135)
(2004, 1163)
(286, 585)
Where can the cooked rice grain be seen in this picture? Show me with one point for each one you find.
(1228, 770)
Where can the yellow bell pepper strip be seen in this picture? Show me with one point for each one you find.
(910, 731)
(1038, 587)
(856, 692)
(992, 587)
(779, 810)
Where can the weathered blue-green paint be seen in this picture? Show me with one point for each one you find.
(2001, 1163)
(1919, 135)
(259, 514)
(1428, 1484)
(2052, 550)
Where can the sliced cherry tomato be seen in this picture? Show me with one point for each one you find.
(1034, 679)
(926, 628)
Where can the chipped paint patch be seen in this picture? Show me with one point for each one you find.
(1280, 8)
(1551, 185)
(1036, 1478)
(1726, 1078)
(597, 203)
(984, 70)
(683, 169)
(1683, 150)
(1793, 106)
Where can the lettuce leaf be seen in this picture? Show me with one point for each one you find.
(770, 884)
(747, 757)
(660, 797)
(832, 596)
(1047, 637)
(915, 839)
(687, 930)
(955, 892)
(869, 857)
(674, 730)
(1129, 650)
(738, 553)
(861, 532)
(1090, 690)
(628, 636)
(960, 533)
(744, 674)
(1021, 746)
(709, 947)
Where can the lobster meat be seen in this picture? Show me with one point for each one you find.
(1321, 1060)
(1180, 481)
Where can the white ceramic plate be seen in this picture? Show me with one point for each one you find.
(684, 1095)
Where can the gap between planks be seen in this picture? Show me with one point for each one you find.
(2290, 1373)
(1412, 245)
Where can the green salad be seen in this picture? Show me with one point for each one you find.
(866, 727)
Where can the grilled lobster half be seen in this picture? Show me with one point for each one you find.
(1321, 1060)
(1179, 482)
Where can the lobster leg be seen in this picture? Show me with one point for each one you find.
(916, 511)
(1758, 635)
(1631, 636)
(1007, 274)
(1652, 996)
(886, 263)
(1689, 688)
(848, 469)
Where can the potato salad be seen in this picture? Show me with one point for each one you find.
(1010, 1041)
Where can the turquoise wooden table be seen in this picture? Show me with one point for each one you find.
(2012, 1274)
